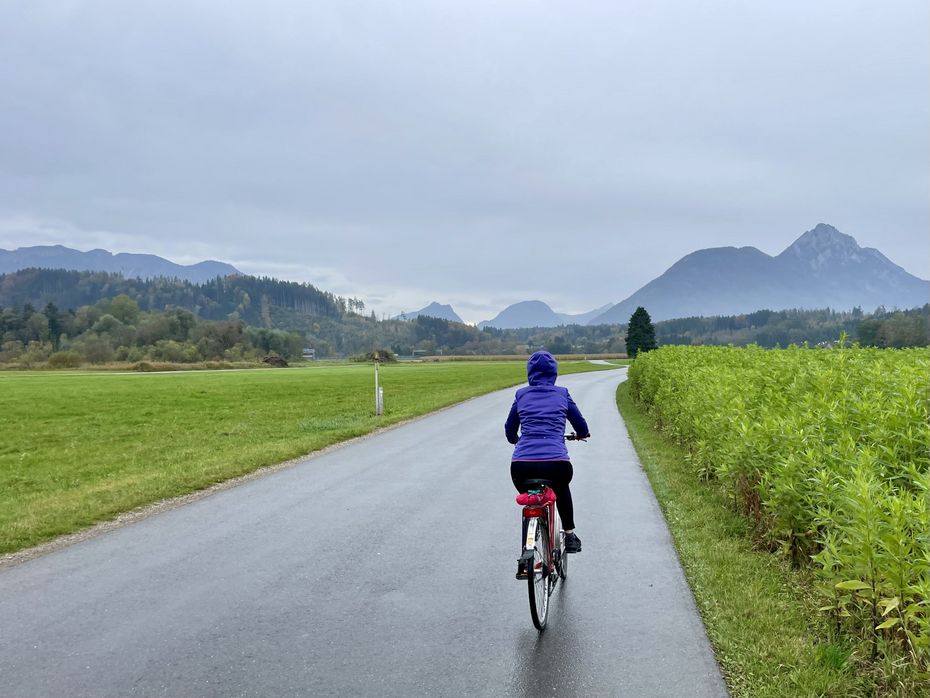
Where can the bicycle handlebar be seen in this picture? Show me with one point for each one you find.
(574, 437)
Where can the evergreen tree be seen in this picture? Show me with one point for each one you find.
(54, 323)
(641, 334)
(559, 345)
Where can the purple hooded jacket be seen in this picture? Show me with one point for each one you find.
(539, 413)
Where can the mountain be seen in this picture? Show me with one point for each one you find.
(434, 309)
(584, 318)
(539, 314)
(524, 314)
(822, 268)
(143, 266)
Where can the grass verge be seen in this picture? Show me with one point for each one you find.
(79, 448)
(759, 613)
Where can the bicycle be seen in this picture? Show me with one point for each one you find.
(543, 562)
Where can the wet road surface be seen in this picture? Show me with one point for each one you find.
(384, 568)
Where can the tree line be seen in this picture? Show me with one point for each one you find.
(249, 298)
(117, 330)
(774, 328)
(100, 317)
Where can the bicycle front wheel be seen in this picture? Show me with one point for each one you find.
(538, 578)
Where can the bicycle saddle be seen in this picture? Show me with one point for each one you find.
(537, 484)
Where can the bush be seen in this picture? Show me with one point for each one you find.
(382, 355)
(827, 451)
(237, 353)
(35, 353)
(65, 359)
(178, 352)
(94, 348)
(130, 354)
(11, 350)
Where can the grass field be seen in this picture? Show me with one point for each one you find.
(79, 448)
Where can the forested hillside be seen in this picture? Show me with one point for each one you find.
(249, 298)
(100, 317)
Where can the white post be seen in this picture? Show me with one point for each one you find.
(380, 400)
(377, 392)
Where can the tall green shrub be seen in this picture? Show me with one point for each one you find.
(829, 452)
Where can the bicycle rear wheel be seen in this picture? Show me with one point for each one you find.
(538, 578)
(563, 558)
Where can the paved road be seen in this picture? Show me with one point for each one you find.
(382, 568)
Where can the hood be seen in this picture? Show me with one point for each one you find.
(542, 368)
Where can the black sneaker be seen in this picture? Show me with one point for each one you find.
(521, 570)
(572, 543)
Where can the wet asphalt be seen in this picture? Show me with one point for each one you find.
(383, 568)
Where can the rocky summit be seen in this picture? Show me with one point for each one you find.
(823, 268)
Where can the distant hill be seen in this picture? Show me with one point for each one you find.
(822, 268)
(142, 266)
(444, 312)
(538, 314)
(524, 314)
(584, 318)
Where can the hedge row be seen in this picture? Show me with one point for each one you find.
(829, 452)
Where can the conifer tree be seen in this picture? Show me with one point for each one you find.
(641, 333)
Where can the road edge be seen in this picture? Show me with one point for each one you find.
(146, 511)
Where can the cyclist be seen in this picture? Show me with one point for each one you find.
(536, 424)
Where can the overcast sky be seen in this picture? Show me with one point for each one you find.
(473, 153)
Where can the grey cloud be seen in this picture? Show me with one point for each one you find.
(464, 148)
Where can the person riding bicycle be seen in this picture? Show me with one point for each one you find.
(536, 424)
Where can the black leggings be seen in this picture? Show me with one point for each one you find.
(558, 472)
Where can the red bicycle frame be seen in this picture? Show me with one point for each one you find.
(544, 509)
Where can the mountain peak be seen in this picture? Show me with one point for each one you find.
(826, 233)
(821, 246)
(435, 310)
(822, 268)
(524, 314)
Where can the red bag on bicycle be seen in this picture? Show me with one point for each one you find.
(544, 497)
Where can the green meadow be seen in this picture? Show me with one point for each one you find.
(80, 448)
